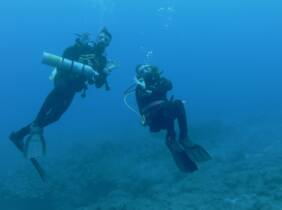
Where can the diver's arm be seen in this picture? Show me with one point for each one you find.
(109, 65)
(102, 78)
(163, 86)
(139, 96)
(69, 53)
(166, 85)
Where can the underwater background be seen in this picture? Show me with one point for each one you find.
(224, 59)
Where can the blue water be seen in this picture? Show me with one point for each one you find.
(223, 57)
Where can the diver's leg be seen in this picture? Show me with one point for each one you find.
(52, 99)
(171, 134)
(57, 105)
(183, 162)
(60, 106)
(194, 151)
(180, 115)
(18, 136)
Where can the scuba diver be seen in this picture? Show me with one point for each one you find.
(66, 85)
(159, 113)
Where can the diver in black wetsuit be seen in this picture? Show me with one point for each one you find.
(67, 84)
(159, 113)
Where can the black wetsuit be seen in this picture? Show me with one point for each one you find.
(159, 112)
(66, 85)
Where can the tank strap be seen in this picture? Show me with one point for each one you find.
(153, 105)
(83, 92)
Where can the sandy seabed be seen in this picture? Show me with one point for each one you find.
(244, 174)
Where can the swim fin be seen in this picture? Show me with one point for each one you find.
(196, 152)
(20, 146)
(181, 159)
(35, 146)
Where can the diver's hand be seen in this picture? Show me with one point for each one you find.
(143, 120)
(149, 92)
(150, 89)
(91, 81)
(88, 60)
(95, 76)
(107, 71)
(110, 67)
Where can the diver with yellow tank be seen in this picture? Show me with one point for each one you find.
(81, 65)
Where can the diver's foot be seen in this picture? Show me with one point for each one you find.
(17, 140)
(34, 129)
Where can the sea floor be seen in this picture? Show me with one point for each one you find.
(137, 173)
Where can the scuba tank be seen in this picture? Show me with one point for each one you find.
(68, 65)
